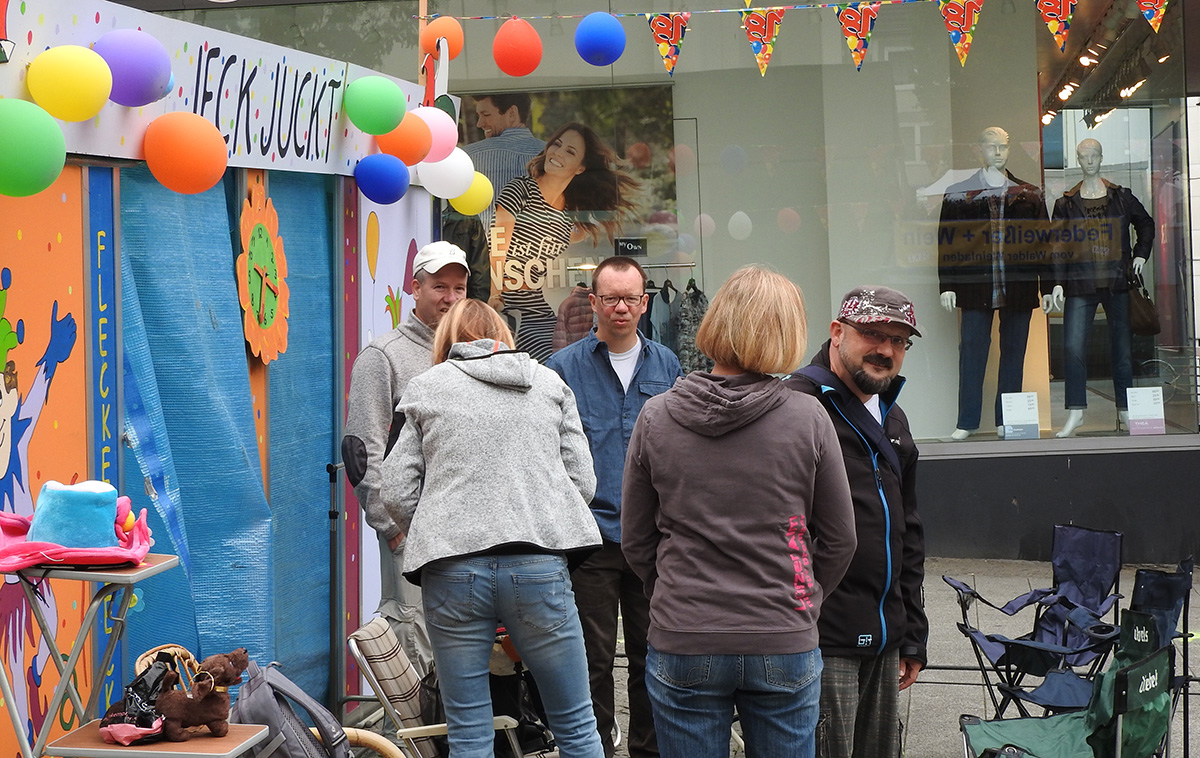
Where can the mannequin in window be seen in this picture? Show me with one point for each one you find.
(984, 271)
(1091, 268)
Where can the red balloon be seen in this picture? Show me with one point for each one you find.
(410, 141)
(185, 152)
(638, 154)
(443, 26)
(517, 47)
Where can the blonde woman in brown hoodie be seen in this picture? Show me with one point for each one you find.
(736, 514)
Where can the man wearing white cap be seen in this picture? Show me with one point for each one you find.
(381, 373)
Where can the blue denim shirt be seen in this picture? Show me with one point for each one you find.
(609, 413)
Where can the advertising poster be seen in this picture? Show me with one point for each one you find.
(577, 174)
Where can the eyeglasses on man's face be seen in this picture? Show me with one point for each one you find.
(878, 338)
(610, 301)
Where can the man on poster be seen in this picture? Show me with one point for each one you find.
(502, 155)
(380, 374)
(613, 371)
(873, 627)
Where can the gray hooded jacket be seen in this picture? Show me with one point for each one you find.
(491, 457)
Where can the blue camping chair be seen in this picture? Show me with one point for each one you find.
(1129, 711)
(1052, 665)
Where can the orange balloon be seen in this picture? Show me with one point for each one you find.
(410, 141)
(443, 26)
(185, 152)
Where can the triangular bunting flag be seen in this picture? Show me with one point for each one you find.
(762, 27)
(668, 30)
(960, 17)
(1153, 10)
(857, 20)
(1057, 15)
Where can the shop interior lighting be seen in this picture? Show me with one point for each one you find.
(1087, 60)
(1128, 91)
(1165, 58)
(1065, 93)
(1048, 116)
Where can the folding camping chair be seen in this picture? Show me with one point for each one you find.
(1069, 640)
(397, 686)
(1167, 598)
(1129, 711)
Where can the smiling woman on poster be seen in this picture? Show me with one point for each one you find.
(575, 187)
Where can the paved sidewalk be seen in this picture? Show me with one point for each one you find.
(931, 707)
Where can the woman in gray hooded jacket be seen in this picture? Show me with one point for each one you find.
(491, 478)
(737, 516)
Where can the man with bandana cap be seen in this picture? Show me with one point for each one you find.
(873, 626)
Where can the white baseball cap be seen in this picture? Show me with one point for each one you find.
(435, 255)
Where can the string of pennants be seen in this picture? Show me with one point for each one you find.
(857, 19)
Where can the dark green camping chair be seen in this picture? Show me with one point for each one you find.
(1128, 716)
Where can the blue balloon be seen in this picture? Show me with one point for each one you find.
(734, 159)
(600, 38)
(382, 178)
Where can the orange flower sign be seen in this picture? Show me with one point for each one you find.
(262, 277)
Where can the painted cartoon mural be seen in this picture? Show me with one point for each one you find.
(42, 420)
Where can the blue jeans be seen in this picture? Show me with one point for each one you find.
(465, 599)
(1078, 315)
(975, 341)
(777, 699)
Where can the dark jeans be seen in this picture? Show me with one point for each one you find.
(975, 332)
(601, 583)
(1078, 315)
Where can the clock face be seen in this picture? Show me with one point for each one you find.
(262, 276)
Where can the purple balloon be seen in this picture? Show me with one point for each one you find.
(141, 67)
(382, 178)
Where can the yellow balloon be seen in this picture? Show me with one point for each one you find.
(476, 199)
(70, 82)
(372, 243)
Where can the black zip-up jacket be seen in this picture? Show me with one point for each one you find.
(1073, 267)
(879, 605)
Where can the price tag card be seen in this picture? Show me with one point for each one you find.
(1020, 411)
(1146, 410)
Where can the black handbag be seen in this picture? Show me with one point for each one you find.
(1143, 316)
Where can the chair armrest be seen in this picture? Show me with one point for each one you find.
(499, 723)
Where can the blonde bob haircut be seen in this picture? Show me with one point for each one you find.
(466, 321)
(756, 323)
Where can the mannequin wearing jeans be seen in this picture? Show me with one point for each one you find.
(985, 268)
(1092, 269)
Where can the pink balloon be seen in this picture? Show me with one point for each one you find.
(704, 225)
(443, 130)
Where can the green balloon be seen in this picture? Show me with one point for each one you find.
(375, 104)
(32, 148)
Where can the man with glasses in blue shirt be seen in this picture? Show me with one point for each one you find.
(873, 626)
(613, 371)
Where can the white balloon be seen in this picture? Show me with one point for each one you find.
(740, 226)
(449, 177)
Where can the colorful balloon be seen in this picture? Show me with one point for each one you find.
(32, 148)
(788, 220)
(140, 65)
(600, 38)
(476, 199)
(185, 152)
(410, 141)
(375, 104)
(517, 47)
(450, 177)
(443, 26)
(382, 178)
(442, 129)
(70, 82)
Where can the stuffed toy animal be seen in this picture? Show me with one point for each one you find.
(207, 704)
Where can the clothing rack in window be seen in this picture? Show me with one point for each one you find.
(592, 266)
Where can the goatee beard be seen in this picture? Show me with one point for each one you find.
(870, 385)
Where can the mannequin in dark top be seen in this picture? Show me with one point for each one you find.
(1092, 266)
(984, 272)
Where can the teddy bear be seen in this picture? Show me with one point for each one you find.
(207, 704)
